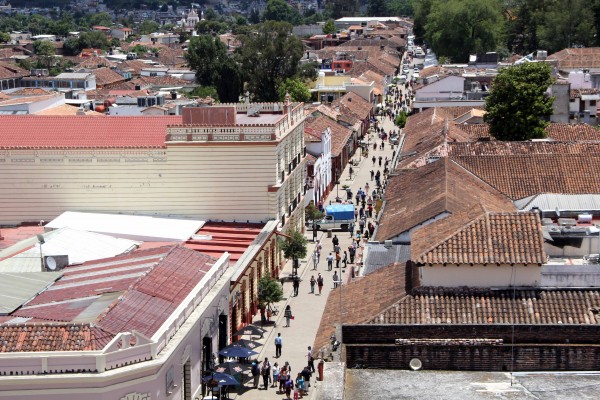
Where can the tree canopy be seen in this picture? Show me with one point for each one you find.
(268, 57)
(329, 27)
(269, 290)
(458, 28)
(518, 102)
(214, 67)
(296, 88)
(279, 10)
(294, 246)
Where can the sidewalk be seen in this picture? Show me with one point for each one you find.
(308, 308)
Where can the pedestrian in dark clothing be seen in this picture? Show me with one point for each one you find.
(345, 259)
(335, 240)
(255, 370)
(266, 373)
(373, 159)
(351, 252)
(296, 285)
(335, 280)
(288, 315)
(380, 159)
(351, 229)
(313, 282)
(320, 283)
(372, 174)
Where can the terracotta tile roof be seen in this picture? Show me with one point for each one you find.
(44, 131)
(577, 93)
(165, 80)
(427, 305)
(329, 111)
(355, 105)
(339, 134)
(577, 58)
(556, 131)
(311, 136)
(152, 299)
(135, 65)
(65, 109)
(418, 195)
(372, 76)
(106, 77)
(49, 337)
(94, 62)
(360, 301)
(30, 92)
(519, 176)
(335, 52)
(493, 238)
(498, 148)
(9, 70)
(425, 136)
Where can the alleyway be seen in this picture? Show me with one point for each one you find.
(307, 308)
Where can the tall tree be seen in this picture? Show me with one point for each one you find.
(457, 28)
(329, 27)
(518, 103)
(296, 88)
(268, 56)
(45, 50)
(567, 23)
(376, 8)
(208, 56)
(279, 10)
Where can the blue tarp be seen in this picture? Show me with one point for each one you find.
(340, 211)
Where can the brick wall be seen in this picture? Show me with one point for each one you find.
(476, 358)
(537, 347)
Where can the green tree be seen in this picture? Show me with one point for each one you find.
(401, 119)
(376, 8)
(308, 71)
(518, 102)
(279, 10)
(45, 50)
(422, 8)
(296, 88)
(204, 55)
(4, 37)
(208, 56)
(399, 7)
(312, 213)
(100, 19)
(147, 27)
(254, 17)
(96, 40)
(567, 23)
(522, 20)
(203, 91)
(71, 47)
(293, 246)
(342, 8)
(329, 27)
(268, 57)
(269, 291)
(457, 28)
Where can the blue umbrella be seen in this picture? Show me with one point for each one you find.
(236, 351)
(221, 378)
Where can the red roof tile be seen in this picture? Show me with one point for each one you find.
(45, 131)
(427, 305)
(8, 71)
(339, 134)
(106, 77)
(48, 337)
(493, 238)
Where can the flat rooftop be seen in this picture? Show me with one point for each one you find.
(466, 385)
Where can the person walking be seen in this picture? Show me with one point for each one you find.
(275, 370)
(266, 373)
(255, 370)
(351, 253)
(311, 359)
(356, 208)
(288, 315)
(278, 345)
(351, 227)
(372, 174)
(296, 285)
(335, 240)
(300, 383)
(335, 279)
(380, 159)
(320, 283)
(374, 160)
(338, 258)
(329, 262)
(289, 385)
(315, 261)
(283, 378)
(345, 259)
(313, 282)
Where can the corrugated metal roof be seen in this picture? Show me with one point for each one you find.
(80, 246)
(564, 202)
(16, 289)
(379, 256)
(137, 227)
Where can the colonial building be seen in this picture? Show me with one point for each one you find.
(235, 162)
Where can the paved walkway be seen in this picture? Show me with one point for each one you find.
(308, 308)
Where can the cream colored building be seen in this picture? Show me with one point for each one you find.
(235, 162)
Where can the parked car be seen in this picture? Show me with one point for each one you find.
(402, 79)
(405, 70)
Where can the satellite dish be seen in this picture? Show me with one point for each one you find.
(51, 263)
(415, 364)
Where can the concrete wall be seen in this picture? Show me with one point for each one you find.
(227, 181)
(560, 107)
(571, 275)
(480, 276)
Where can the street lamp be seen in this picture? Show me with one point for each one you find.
(41, 241)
